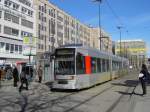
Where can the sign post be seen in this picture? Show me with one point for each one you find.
(29, 47)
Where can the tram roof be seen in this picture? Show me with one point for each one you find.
(93, 52)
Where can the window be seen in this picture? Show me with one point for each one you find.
(25, 2)
(0, 14)
(60, 18)
(2, 47)
(40, 8)
(107, 65)
(23, 34)
(24, 10)
(15, 32)
(7, 16)
(12, 18)
(20, 49)
(15, 19)
(16, 48)
(39, 46)
(7, 3)
(80, 64)
(39, 15)
(93, 65)
(7, 30)
(98, 65)
(42, 46)
(30, 13)
(103, 65)
(52, 26)
(11, 31)
(0, 28)
(7, 47)
(60, 34)
(26, 23)
(15, 6)
(11, 48)
(50, 49)
(60, 26)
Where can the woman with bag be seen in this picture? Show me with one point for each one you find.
(142, 76)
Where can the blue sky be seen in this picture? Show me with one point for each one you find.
(134, 16)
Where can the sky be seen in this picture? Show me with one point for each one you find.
(132, 15)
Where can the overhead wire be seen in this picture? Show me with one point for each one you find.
(114, 14)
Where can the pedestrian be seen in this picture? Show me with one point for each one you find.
(23, 77)
(40, 73)
(15, 76)
(0, 73)
(3, 73)
(9, 73)
(0, 76)
(142, 77)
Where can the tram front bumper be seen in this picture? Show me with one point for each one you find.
(64, 84)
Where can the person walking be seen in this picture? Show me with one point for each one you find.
(142, 77)
(40, 73)
(0, 73)
(15, 76)
(0, 76)
(23, 77)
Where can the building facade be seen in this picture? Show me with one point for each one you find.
(106, 42)
(55, 27)
(134, 50)
(17, 20)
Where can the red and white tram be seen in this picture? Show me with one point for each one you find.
(77, 67)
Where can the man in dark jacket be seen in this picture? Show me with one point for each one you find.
(142, 78)
(23, 77)
(15, 76)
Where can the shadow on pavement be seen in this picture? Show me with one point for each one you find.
(36, 99)
(129, 93)
(127, 83)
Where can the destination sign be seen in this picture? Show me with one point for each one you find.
(65, 51)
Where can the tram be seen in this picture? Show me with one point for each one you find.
(78, 67)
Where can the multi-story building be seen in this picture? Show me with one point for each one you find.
(134, 50)
(17, 19)
(106, 42)
(56, 27)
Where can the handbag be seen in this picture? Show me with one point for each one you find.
(141, 75)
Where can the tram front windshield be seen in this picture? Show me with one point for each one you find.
(65, 62)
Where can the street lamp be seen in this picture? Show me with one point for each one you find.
(119, 27)
(99, 13)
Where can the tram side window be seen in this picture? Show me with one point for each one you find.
(98, 65)
(114, 65)
(103, 65)
(80, 64)
(107, 65)
(93, 65)
(125, 65)
(120, 65)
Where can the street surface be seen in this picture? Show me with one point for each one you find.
(120, 95)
